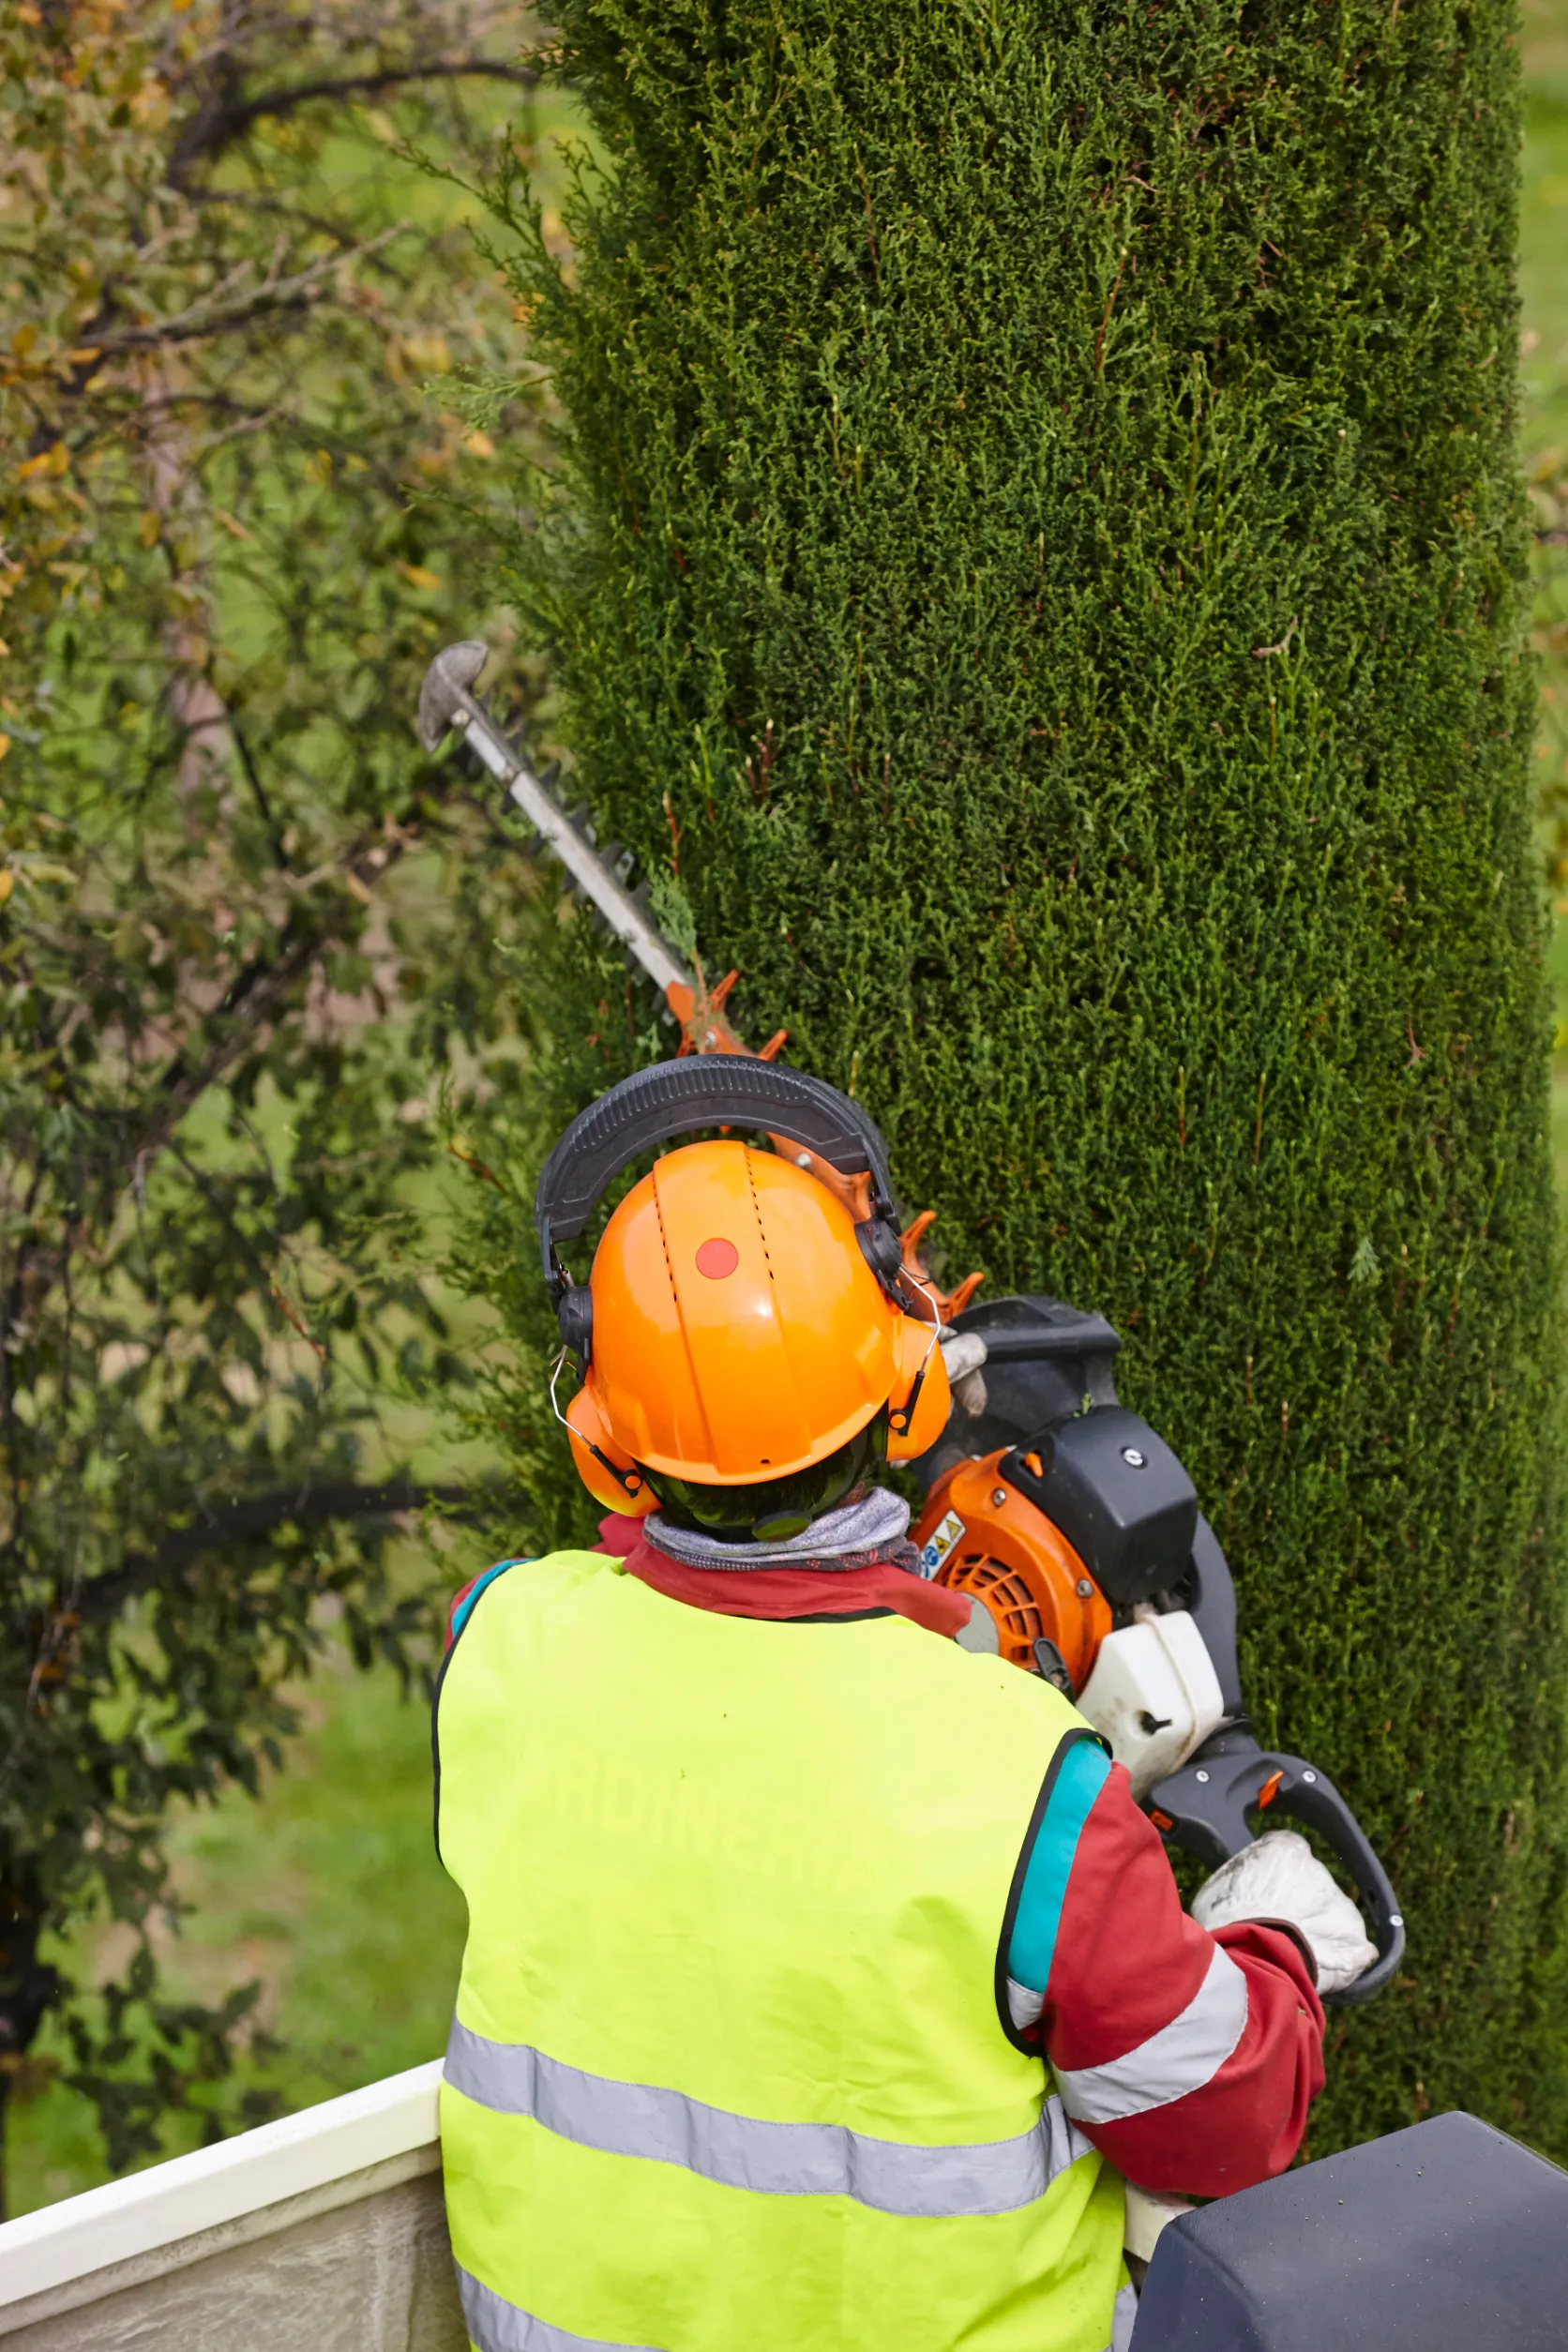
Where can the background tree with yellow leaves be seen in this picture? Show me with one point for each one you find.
(248, 473)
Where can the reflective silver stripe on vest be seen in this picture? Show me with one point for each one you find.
(1181, 2057)
(1122, 2314)
(796, 2159)
(496, 2325)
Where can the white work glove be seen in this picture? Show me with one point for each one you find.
(1281, 1878)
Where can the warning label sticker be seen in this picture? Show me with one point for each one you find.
(939, 1542)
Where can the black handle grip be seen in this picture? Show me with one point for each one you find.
(1203, 1808)
(718, 1090)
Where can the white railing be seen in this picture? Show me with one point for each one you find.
(323, 2232)
(320, 2233)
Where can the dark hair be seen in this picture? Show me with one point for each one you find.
(771, 1510)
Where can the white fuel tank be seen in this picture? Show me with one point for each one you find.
(1155, 1694)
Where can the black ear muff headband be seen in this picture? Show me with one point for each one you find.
(700, 1090)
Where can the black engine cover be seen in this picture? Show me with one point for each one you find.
(1046, 1360)
(1120, 1497)
(1107, 1480)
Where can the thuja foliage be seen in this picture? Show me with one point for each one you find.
(1041, 558)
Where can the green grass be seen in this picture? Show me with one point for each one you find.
(327, 1889)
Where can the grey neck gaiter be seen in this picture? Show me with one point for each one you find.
(839, 1539)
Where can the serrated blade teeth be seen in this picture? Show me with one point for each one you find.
(598, 879)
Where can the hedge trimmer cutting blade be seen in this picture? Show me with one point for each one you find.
(447, 705)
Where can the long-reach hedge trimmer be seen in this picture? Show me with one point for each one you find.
(1067, 1517)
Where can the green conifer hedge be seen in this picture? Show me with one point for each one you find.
(1043, 546)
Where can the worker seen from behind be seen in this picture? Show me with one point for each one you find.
(825, 1983)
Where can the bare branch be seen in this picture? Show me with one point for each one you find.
(255, 1516)
(215, 127)
(214, 317)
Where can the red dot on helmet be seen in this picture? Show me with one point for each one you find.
(717, 1257)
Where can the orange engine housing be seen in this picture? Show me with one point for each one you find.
(1014, 1561)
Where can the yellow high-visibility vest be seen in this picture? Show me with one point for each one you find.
(727, 2072)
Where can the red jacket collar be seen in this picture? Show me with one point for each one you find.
(782, 1593)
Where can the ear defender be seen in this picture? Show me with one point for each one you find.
(611, 1476)
(574, 1314)
(878, 1237)
(921, 1401)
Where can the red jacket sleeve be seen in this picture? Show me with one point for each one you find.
(1189, 2058)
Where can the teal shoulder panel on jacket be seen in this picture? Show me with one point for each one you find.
(464, 1608)
(1078, 1782)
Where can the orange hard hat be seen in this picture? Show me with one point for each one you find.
(742, 1330)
